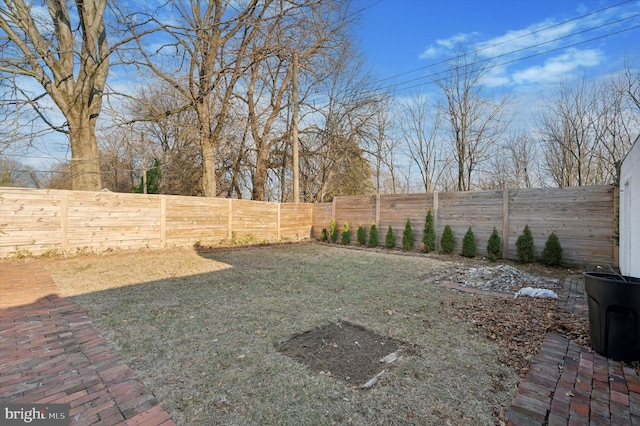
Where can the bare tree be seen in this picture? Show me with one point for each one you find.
(568, 128)
(382, 146)
(421, 133)
(616, 123)
(476, 122)
(332, 141)
(202, 57)
(67, 53)
(304, 32)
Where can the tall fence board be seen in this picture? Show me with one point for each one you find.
(42, 220)
(582, 217)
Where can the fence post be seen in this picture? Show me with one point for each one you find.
(435, 219)
(333, 208)
(278, 219)
(378, 211)
(163, 221)
(64, 220)
(230, 220)
(505, 223)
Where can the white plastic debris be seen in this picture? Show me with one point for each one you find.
(536, 292)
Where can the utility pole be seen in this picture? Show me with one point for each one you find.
(296, 168)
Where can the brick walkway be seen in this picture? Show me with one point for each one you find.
(570, 385)
(50, 352)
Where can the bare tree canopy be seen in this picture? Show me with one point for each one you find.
(67, 54)
(476, 122)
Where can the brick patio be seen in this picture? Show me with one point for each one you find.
(50, 352)
(570, 385)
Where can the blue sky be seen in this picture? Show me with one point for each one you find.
(398, 36)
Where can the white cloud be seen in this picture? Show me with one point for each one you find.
(559, 67)
(534, 38)
(445, 45)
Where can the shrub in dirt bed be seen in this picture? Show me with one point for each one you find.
(333, 231)
(373, 235)
(407, 237)
(552, 253)
(324, 237)
(448, 240)
(390, 241)
(429, 234)
(494, 246)
(346, 236)
(361, 235)
(524, 246)
(469, 244)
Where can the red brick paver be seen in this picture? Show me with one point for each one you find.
(50, 352)
(570, 385)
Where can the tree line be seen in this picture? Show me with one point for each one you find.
(195, 98)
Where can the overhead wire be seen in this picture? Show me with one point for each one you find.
(376, 86)
(474, 52)
(533, 46)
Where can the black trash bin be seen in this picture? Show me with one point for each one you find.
(614, 314)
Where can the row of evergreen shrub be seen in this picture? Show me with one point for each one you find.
(551, 255)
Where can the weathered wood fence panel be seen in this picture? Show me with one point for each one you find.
(356, 210)
(30, 219)
(101, 220)
(190, 220)
(38, 221)
(322, 214)
(582, 217)
(295, 221)
(396, 209)
(482, 211)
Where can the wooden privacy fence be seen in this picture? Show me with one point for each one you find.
(43, 220)
(584, 218)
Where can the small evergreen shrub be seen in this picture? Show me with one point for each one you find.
(362, 235)
(429, 234)
(333, 231)
(324, 236)
(494, 246)
(448, 240)
(469, 244)
(552, 253)
(407, 237)
(390, 241)
(346, 235)
(524, 246)
(373, 235)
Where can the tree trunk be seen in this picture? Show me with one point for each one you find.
(85, 164)
(260, 175)
(208, 167)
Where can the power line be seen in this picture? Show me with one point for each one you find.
(492, 58)
(507, 41)
(533, 55)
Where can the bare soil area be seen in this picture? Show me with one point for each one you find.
(292, 334)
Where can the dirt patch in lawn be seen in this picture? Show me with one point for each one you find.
(347, 351)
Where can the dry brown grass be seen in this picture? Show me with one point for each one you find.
(202, 330)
